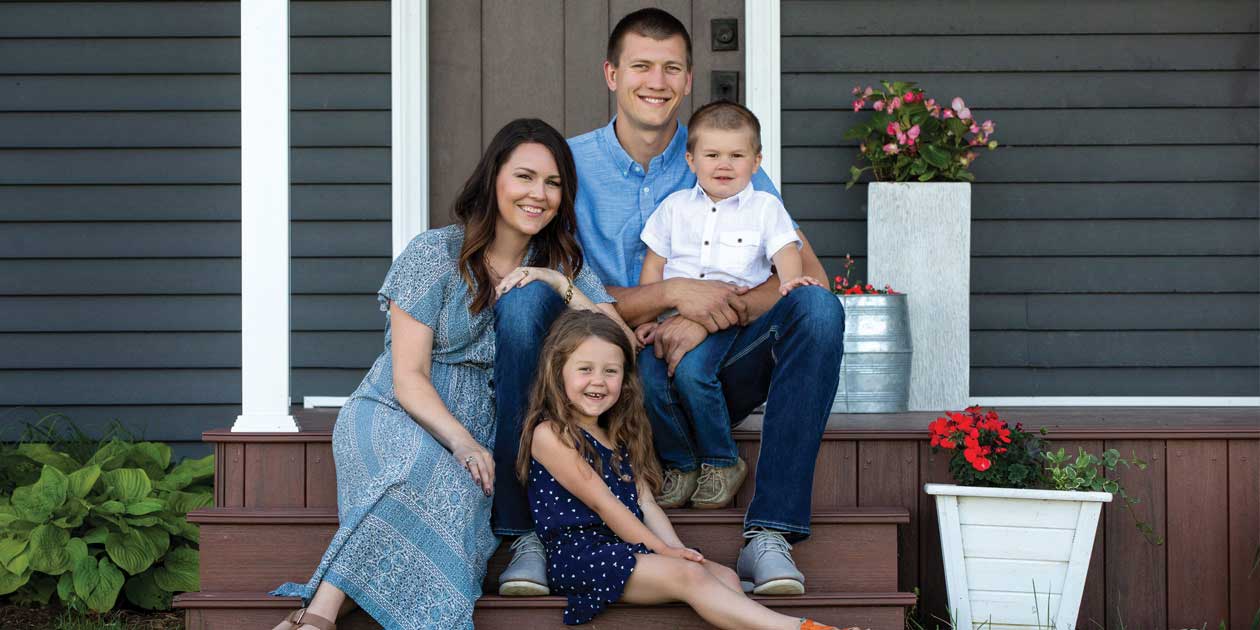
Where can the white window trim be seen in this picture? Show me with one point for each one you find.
(762, 61)
(265, 218)
(409, 84)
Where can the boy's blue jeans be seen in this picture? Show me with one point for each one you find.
(789, 358)
(690, 423)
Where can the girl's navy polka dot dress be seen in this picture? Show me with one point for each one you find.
(585, 559)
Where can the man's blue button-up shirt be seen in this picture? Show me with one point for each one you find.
(615, 198)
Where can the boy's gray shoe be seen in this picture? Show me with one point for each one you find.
(526, 574)
(766, 563)
(677, 488)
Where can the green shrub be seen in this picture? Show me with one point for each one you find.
(89, 527)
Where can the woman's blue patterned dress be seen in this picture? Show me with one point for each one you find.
(415, 529)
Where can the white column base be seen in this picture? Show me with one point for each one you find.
(265, 423)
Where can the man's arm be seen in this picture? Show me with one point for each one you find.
(714, 305)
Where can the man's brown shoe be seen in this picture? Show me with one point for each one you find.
(717, 487)
(677, 487)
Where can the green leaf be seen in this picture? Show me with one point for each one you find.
(145, 506)
(127, 484)
(14, 554)
(81, 481)
(187, 473)
(112, 455)
(10, 582)
(156, 452)
(48, 550)
(111, 507)
(934, 155)
(8, 514)
(65, 587)
(106, 591)
(44, 454)
(130, 550)
(185, 502)
(159, 540)
(37, 501)
(143, 591)
(77, 549)
(87, 576)
(96, 536)
(179, 571)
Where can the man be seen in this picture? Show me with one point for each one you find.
(786, 354)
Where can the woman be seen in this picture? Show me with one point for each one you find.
(411, 445)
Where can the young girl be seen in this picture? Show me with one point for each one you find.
(606, 539)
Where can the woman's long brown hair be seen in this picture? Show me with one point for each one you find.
(476, 208)
(626, 422)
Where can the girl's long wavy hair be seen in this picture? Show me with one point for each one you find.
(626, 421)
(476, 208)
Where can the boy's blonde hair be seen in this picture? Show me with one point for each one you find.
(723, 115)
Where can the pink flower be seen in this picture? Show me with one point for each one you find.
(908, 98)
(894, 128)
(862, 148)
(972, 155)
(890, 148)
(987, 126)
(958, 104)
(857, 105)
(879, 106)
(947, 113)
(964, 114)
(857, 89)
(974, 128)
(913, 133)
(896, 102)
(867, 92)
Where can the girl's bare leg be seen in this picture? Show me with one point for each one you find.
(329, 602)
(724, 574)
(658, 579)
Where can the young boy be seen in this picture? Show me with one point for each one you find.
(721, 229)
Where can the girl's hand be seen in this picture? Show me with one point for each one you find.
(799, 281)
(683, 553)
(522, 276)
(645, 333)
(479, 463)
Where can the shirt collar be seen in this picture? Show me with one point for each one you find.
(740, 197)
(677, 146)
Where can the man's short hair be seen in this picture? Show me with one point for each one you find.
(652, 23)
(724, 115)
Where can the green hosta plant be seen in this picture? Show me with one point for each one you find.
(90, 530)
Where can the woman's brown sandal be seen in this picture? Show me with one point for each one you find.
(300, 617)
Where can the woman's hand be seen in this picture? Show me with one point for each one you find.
(522, 276)
(682, 553)
(479, 462)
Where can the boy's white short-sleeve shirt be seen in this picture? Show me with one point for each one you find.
(731, 240)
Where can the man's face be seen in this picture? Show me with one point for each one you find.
(650, 80)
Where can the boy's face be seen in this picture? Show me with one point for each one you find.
(650, 80)
(723, 160)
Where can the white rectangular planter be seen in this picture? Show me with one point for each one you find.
(1015, 559)
(918, 240)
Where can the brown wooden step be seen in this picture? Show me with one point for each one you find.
(235, 610)
(851, 549)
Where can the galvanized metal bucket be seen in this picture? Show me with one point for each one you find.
(875, 372)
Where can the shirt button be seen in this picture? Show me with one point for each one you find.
(647, 189)
(715, 208)
(706, 242)
(702, 275)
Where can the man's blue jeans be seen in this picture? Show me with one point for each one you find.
(701, 434)
(522, 319)
(788, 358)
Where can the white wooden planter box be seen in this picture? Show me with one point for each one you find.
(1015, 559)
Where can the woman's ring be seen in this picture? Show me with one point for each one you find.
(524, 272)
(468, 460)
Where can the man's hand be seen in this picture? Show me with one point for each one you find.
(715, 305)
(675, 337)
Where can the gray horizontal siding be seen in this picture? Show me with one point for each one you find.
(1115, 241)
(120, 206)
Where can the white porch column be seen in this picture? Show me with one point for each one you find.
(265, 217)
(761, 63)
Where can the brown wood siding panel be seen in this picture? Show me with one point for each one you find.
(1093, 610)
(585, 45)
(233, 466)
(1137, 571)
(275, 475)
(321, 476)
(1198, 533)
(889, 477)
(933, 602)
(522, 51)
(455, 80)
(835, 475)
(1244, 532)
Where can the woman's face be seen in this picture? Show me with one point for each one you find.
(527, 190)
